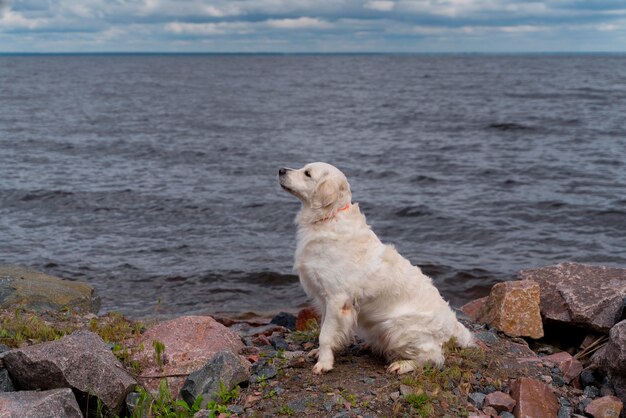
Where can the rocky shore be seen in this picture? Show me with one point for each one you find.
(551, 344)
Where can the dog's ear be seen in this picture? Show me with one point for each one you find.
(325, 195)
(328, 193)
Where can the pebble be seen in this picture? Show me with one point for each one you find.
(236, 409)
(285, 319)
(489, 389)
(607, 391)
(394, 396)
(546, 378)
(558, 380)
(279, 343)
(582, 405)
(587, 378)
(477, 399)
(564, 412)
(591, 392)
(487, 337)
(506, 414)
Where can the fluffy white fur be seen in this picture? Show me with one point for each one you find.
(360, 284)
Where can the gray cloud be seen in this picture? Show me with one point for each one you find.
(386, 25)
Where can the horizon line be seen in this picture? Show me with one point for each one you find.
(7, 53)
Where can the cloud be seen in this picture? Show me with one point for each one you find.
(307, 25)
(242, 27)
(381, 5)
(299, 23)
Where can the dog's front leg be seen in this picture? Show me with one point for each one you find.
(339, 320)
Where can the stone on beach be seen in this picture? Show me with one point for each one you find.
(569, 366)
(513, 308)
(605, 407)
(41, 292)
(533, 399)
(81, 361)
(500, 401)
(582, 295)
(39, 404)
(612, 358)
(190, 341)
(472, 309)
(225, 368)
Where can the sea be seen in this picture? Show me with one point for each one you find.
(154, 177)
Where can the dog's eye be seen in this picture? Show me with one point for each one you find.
(307, 173)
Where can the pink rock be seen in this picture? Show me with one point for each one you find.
(533, 399)
(513, 308)
(569, 366)
(566, 290)
(500, 401)
(491, 412)
(190, 341)
(605, 407)
(471, 309)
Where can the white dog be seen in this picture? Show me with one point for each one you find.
(361, 285)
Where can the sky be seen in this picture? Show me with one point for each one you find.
(420, 26)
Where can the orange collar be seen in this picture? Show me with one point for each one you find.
(346, 207)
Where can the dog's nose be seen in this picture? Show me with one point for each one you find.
(282, 171)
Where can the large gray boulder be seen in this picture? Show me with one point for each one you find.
(41, 292)
(590, 297)
(81, 361)
(36, 404)
(225, 368)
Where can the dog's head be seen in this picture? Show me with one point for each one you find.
(321, 188)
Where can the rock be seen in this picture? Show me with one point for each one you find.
(406, 390)
(506, 415)
(41, 292)
(285, 319)
(605, 407)
(565, 290)
(81, 361)
(591, 392)
(6, 384)
(564, 412)
(488, 337)
(39, 404)
(262, 370)
(513, 308)
(279, 343)
(306, 317)
(491, 412)
(190, 342)
(612, 358)
(225, 368)
(568, 365)
(500, 401)
(477, 399)
(132, 403)
(533, 398)
(587, 378)
(471, 309)
(247, 330)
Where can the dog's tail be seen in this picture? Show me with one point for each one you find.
(464, 337)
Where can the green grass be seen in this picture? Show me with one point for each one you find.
(420, 404)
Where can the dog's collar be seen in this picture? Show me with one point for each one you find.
(346, 207)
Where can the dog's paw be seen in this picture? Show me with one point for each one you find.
(402, 366)
(322, 367)
(313, 353)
